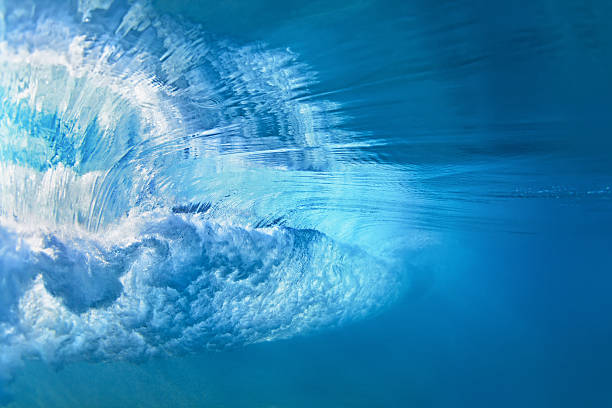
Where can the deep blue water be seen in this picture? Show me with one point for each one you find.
(298, 204)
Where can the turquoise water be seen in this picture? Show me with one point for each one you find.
(290, 204)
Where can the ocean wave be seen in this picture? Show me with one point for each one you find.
(165, 190)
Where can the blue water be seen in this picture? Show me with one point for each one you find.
(298, 204)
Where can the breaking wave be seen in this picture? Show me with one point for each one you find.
(164, 190)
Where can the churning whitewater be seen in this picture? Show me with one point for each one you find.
(159, 191)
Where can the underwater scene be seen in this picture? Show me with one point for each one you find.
(291, 204)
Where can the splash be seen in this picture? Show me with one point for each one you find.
(164, 190)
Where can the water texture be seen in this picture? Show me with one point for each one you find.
(415, 198)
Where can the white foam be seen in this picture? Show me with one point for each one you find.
(165, 283)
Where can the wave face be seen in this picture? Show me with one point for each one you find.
(164, 190)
